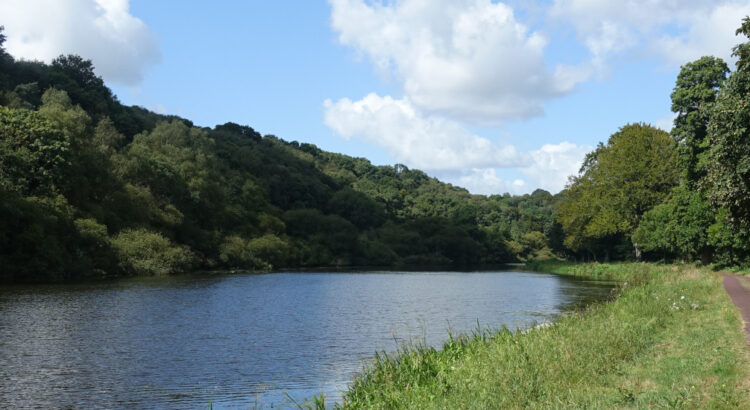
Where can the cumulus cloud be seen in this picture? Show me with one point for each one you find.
(484, 181)
(470, 60)
(552, 164)
(448, 150)
(548, 168)
(415, 139)
(121, 46)
(675, 31)
(705, 34)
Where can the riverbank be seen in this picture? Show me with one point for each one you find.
(671, 337)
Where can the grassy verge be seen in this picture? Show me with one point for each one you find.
(671, 338)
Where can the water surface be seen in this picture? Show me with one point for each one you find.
(245, 340)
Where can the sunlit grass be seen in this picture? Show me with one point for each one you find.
(671, 338)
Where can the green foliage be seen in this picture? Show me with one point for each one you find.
(31, 238)
(235, 251)
(618, 183)
(84, 178)
(60, 111)
(34, 154)
(106, 190)
(358, 208)
(731, 246)
(535, 246)
(620, 195)
(40, 240)
(695, 90)
(269, 250)
(728, 172)
(144, 252)
(678, 226)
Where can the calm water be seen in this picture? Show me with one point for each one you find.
(245, 340)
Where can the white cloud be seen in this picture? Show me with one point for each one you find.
(665, 123)
(120, 46)
(426, 142)
(552, 164)
(447, 150)
(674, 31)
(706, 34)
(470, 60)
(548, 169)
(484, 181)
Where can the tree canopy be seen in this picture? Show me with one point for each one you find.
(92, 188)
(695, 90)
(728, 170)
(617, 184)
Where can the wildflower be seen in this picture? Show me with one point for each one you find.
(692, 387)
(682, 297)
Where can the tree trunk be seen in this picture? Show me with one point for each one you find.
(637, 252)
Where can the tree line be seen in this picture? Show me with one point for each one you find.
(682, 195)
(92, 188)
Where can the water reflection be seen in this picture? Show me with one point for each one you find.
(244, 340)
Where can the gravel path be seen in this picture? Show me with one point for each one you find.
(740, 296)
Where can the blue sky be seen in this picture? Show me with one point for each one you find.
(493, 96)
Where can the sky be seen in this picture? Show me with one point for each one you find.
(492, 96)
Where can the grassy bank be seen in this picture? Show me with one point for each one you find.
(671, 338)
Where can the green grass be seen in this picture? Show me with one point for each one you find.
(670, 339)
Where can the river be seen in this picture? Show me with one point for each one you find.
(239, 341)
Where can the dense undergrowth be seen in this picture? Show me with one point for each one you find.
(670, 338)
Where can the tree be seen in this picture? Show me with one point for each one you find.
(695, 90)
(34, 154)
(78, 69)
(60, 111)
(678, 226)
(5, 61)
(619, 182)
(728, 172)
(357, 207)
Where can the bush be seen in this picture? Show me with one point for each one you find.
(269, 249)
(143, 252)
(236, 252)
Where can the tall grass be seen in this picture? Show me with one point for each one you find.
(671, 338)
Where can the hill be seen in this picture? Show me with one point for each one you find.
(90, 188)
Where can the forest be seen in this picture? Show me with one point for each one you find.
(92, 188)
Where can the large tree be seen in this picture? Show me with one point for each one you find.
(618, 183)
(695, 90)
(728, 168)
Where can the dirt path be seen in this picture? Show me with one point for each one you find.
(740, 296)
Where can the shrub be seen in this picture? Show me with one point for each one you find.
(269, 249)
(236, 252)
(144, 252)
